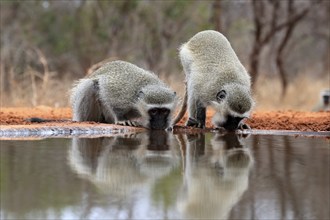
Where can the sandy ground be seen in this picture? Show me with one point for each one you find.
(270, 120)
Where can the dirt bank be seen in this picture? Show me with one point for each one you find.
(270, 120)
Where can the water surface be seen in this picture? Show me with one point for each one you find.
(166, 176)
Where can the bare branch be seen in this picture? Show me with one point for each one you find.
(262, 37)
(292, 21)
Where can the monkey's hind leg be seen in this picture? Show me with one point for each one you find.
(85, 101)
(197, 114)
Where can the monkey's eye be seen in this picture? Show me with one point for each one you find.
(153, 111)
(165, 111)
(221, 95)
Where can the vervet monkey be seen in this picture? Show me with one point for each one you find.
(214, 77)
(122, 93)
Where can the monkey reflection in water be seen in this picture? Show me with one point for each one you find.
(216, 176)
(120, 165)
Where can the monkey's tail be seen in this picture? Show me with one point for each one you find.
(183, 108)
(40, 120)
(183, 148)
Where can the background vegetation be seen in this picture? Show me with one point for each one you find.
(46, 45)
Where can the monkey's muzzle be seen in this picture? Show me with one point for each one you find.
(158, 126)
(232, 123)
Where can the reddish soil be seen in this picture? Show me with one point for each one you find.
(264, 120)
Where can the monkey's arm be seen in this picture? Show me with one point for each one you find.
(197, 113)
(125, 116)
(129, 123)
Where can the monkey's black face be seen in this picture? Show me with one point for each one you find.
(326, 99)
(159, 118)
(231, 123)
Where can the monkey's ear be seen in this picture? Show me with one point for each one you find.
(221, 95)
(140, 95)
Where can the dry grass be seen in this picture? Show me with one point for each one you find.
(31, 91)
(302, 94)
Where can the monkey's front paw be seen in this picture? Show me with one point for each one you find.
(244, 126)
(128, 123)
(194, 123)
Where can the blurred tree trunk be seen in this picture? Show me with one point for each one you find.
(216, 15)
(83, 58)
(262, 37)
(6, 58)
(287, 35)
(264, 33)
(5, 77)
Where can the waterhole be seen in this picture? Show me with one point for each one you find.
(162, 175)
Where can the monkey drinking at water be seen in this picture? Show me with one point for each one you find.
(214, 77)
(122, 93)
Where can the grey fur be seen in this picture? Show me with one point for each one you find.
(211, 65)
(119, 92)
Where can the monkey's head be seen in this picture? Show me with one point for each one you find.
(233, 102)
(156, 104)
(325, 97)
